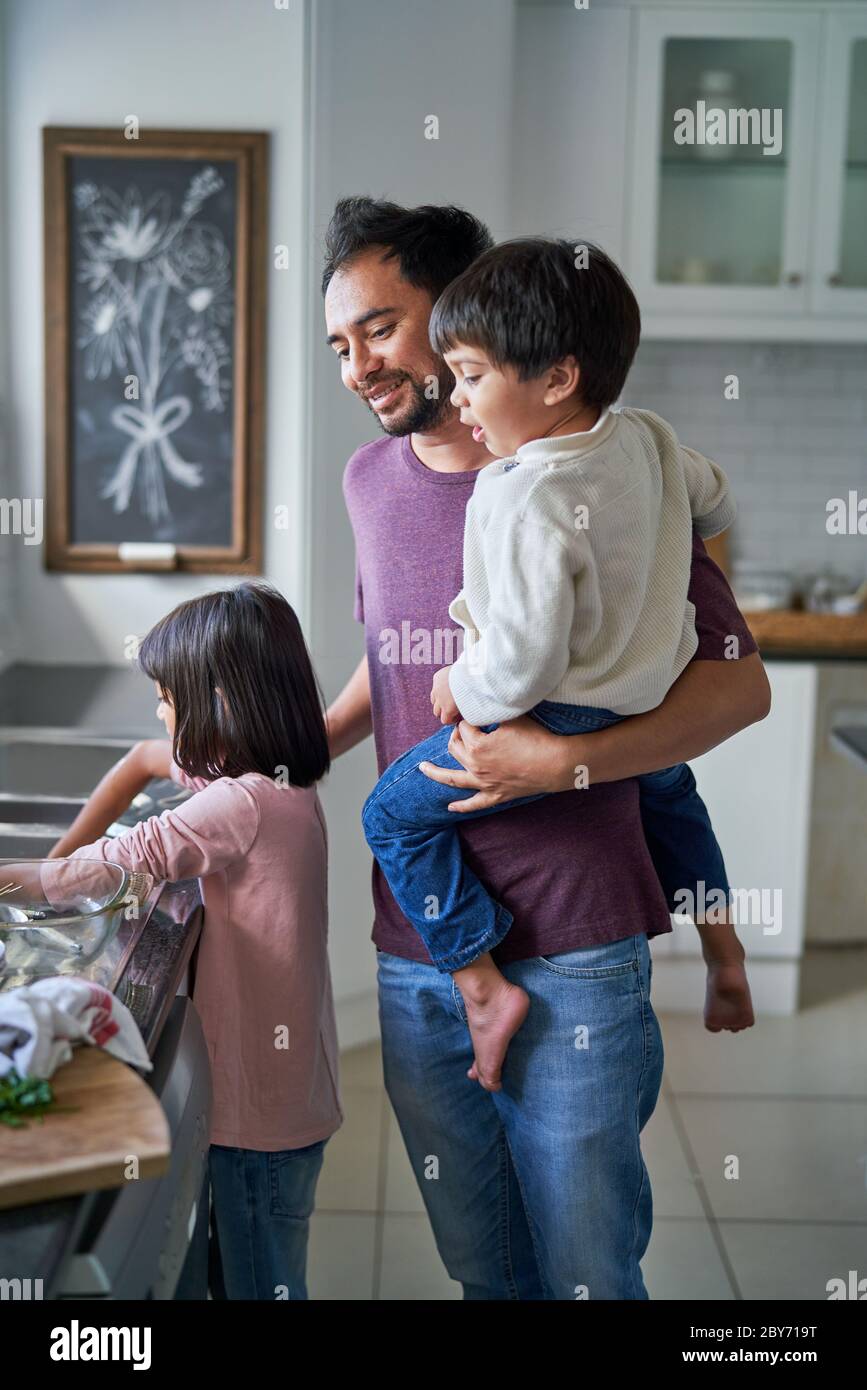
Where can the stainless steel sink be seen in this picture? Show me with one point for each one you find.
(46, 775)
(45, 810)
(64, 766)
(27, 842)
(31, 825)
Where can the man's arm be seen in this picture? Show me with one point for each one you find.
(348, 718)
(712, 700)
(709, 703)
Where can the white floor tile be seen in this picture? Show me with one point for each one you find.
(798, 1159)
(350, 1174)
(362, 1066)
(787, 1261)
(683, 1262)
(671, 1181)
(412, 1270)
(401, 1189)
(341, 1256)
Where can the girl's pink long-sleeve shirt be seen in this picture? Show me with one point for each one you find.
(262, 985)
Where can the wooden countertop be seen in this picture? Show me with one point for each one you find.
(781, 632)
(787, 632)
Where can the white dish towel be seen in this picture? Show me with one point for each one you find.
(40, 1023)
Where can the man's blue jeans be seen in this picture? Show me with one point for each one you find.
(262, 1204)
(415, 839)
(537, 1191)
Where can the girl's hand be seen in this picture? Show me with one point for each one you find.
(441, 698)
(520, 758)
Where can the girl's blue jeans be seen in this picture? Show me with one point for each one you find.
(415, 839)
(259, 1224)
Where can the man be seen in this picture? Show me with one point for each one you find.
(538, 1191)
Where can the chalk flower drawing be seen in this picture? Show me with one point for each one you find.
(161, 295)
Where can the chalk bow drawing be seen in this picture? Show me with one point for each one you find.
(161, 296)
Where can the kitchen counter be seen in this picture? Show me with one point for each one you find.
(35, 1239)
(806, 636)
(794, 633)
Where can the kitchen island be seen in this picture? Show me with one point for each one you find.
(59, 731)
(38, 1241)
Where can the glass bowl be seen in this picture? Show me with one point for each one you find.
(58, 915)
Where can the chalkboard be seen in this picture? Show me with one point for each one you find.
(156, 281)
(152, 275)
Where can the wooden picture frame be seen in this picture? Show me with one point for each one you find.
(155, 263)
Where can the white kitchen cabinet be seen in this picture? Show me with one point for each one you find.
(723, 239)
(758, 788)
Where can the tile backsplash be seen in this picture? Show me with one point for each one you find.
(795, 438)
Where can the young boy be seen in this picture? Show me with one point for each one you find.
(574, 604)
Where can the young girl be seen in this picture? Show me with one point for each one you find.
(240, 702)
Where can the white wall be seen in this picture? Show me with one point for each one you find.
(380, 70)
(569, 172)
(201, 64)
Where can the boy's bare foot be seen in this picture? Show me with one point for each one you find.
(492, 1026)
(727, 1002)
(495, 1011)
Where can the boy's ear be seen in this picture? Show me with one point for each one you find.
(563, 380)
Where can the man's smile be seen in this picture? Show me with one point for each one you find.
(381, 396)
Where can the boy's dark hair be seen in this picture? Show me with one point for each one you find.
(248, 642)
(432, 244)
(527, 304)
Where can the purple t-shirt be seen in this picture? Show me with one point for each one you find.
(573, 868)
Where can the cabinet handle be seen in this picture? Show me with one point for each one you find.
(835, 279)
(794, 278)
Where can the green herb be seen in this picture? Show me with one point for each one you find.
(23, 1098)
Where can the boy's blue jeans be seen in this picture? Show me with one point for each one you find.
(415, 839)
(257, 1246)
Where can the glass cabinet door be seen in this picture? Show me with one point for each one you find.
(840, 287)
(722, 176)
(853, 222)
(724, 139)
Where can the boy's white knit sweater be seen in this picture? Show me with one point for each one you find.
(577, 555)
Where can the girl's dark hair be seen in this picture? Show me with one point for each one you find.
(531, 302)
(248, 642)
(433, 244)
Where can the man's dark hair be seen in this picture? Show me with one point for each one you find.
(248, 642)
(528, 304)
(432, 244)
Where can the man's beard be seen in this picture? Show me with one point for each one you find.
(423, 413)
